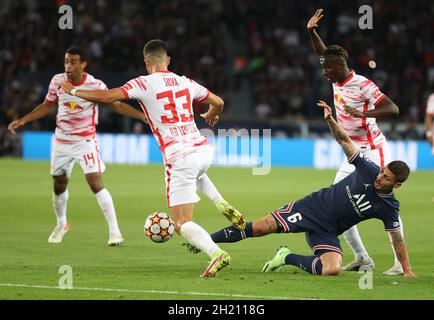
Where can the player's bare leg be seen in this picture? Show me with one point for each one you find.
(258, 228)
(205, 185)
(182, 215)
(60, 202)
(105, 202)
(331, 263)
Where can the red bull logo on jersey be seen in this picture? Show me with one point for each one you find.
(339, 100)
(73, 107)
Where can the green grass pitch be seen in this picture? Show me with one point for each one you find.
(141, 269)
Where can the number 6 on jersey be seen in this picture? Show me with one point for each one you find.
(293, 218)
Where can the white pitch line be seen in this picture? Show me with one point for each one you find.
(17, 285)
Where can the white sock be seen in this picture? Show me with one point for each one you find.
(206, 186)
(59, 205)
(105, 202)
(355, 243)
(198, 237)
(390, 238)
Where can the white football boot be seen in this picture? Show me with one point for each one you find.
(366, 263)
(58, 233)
(396, 270)
(115, 239)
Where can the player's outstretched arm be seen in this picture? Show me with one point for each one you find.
(127, 110)
(385, 109)
(402, 253)
(317, 44)
(98, 96)
(40, 111)
(216, 105)
(428, 128)
(340, 135)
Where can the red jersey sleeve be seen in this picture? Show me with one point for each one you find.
(371, 92)
(52, 94)
(134, 89)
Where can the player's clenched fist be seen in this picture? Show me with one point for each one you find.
(66, 86)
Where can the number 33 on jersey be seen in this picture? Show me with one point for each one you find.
(167, 100)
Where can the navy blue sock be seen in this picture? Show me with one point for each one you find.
(311, 264)
(231, 234)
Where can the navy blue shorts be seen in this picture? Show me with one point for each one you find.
(295, 218)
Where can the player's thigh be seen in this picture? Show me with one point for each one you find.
(181, 181)
(291, 218)
(205, 157)
(87, 154)
(344, 171)
(321, 242)
(62, 159)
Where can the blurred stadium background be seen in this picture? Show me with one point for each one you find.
(256, 54)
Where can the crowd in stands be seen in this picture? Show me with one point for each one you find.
(278, 63)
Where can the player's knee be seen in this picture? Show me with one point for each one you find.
(95, 184)
(331, 269)
(60, 184)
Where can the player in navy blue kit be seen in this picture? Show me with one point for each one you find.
(365, 194)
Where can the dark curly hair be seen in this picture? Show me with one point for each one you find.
(335, 51)
(400, 169)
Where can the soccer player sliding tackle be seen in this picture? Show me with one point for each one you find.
(364, 194)
(166, 99)
(358, 102)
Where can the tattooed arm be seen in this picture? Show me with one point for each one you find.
(401, 253)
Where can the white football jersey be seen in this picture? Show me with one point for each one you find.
(76, 118)
(362, 94)
(167, 100)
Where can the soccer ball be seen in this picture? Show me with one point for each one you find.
(159, 227)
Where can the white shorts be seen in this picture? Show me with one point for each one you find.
(64, 156)
(381, 157)
(182, 176)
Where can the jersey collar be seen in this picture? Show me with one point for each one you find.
(347, 79)
(82, 81)
(384, 195)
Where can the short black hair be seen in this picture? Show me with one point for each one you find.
(79, 51)
(335, 51)
(400, 169)
(155, 46)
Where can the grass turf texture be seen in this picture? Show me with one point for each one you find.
(145, 269)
